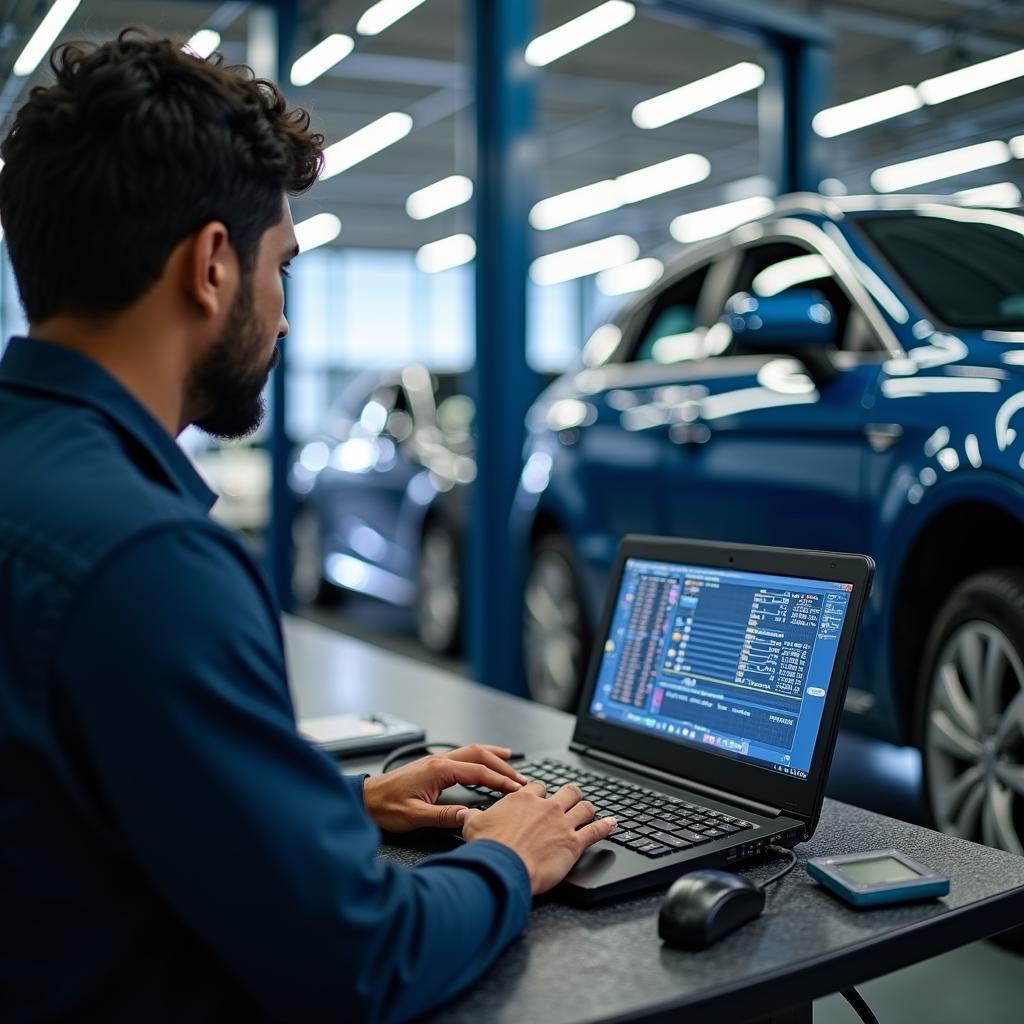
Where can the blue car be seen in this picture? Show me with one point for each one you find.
(846, 375)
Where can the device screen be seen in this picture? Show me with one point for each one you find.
(877, 870)
(737, 663)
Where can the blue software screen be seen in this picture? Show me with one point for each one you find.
(733, 662)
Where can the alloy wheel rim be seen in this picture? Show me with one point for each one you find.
(552, 631)
(438, 607)
(974, 741)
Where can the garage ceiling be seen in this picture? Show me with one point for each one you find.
(419, 65)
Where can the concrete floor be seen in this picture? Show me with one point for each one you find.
(980, 983)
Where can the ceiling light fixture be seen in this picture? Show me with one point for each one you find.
(699, 95)
(321, 58)
(610, 194)
(880, 106)
(972, 78)
(317, 230)
(716, 220)
(203, 43)
(630, 277)
(584, 260)
(384, 14)
(443, 195)
(42, 40)
(360, 145)
(1005, 193)
(909, 173)
(579, 32)
(445, 253)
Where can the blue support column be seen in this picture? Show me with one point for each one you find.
(279, 531)
(796, 88)
(503, 384)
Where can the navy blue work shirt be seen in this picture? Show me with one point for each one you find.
(170, 848)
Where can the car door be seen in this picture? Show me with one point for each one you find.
(763, 454)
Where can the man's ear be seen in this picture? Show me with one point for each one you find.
(211, 269)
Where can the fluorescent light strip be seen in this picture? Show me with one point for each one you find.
(360, 145)
(716, 220)
(445, 253)
(970, 79)
(321, 58)
(699, 95)
(880, 106)
(587, 201)
(610, 194)
(203, 43)
(383, 15)
(443, 195)
(1005, 193)
(45, 36)
(630, 277)
(317, 230)
(576, 33)
(663, 177)
(584, 260)
(1017, 146)
(894, 177)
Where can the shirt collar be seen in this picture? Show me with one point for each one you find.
(47, 368)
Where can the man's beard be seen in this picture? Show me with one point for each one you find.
(227, 386)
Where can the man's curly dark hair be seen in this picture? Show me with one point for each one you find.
(136, 145)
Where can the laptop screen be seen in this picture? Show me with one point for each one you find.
(734, 663)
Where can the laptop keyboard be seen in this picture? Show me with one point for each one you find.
(650, 822)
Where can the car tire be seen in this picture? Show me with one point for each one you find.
(439, 589)
(308, 583)
(556, 637)
(970, 715)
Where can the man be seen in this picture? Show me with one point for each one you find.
(170, 849)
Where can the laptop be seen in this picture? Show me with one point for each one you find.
(711, 707)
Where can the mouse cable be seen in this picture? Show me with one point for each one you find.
(411, 750)
(779, 851)
(861, 1008)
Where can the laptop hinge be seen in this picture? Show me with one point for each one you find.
(677, 780)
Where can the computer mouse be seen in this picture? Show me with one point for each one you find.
(702, 906)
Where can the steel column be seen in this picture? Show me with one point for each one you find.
(503, 384)
(279, 551)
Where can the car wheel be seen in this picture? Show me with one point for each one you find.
(438, 597)
(555, 635)
(308, 583)
(971, 715)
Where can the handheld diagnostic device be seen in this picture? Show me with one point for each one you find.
(877, 878)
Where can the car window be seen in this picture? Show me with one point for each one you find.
(671, 332)
(775, 268)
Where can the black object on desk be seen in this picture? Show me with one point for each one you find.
(607, 964)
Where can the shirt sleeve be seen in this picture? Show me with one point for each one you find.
(171, 669)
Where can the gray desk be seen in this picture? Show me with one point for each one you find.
(607, 964)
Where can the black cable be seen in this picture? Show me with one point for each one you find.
(411, 750)
(861, 1008)
(779, 851)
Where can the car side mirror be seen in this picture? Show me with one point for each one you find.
(800, 323)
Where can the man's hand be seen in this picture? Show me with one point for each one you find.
(549, 835)
(406, 798)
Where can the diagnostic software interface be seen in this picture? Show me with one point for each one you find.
(737, 663)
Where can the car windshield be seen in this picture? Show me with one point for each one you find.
(965, 265)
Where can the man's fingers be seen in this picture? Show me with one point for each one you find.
(537, 788)
(582, 813)
(568, 796)
(492, 757)
(469, 773)
(442, 816)
(595, 832)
